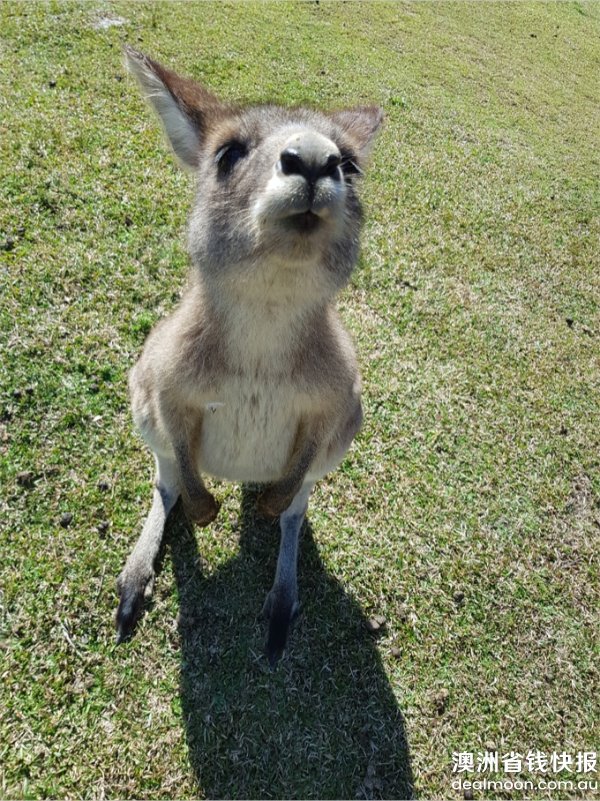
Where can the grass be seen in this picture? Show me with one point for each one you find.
(467, 512)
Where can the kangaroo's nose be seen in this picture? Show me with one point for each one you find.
(311, 155)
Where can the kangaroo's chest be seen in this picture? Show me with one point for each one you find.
(248, 429)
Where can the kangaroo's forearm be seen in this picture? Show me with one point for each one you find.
(198, 501)
(278, 496)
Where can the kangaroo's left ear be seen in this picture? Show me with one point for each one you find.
(186, 109)
(360, 124)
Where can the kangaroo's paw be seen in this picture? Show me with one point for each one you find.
(134, 586)
(273, 501)
(281, 608)
(202, 509)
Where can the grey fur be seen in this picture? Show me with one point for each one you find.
(252, 377)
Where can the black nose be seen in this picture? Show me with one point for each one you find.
(293, 162)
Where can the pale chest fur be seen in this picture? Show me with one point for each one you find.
(248, 429)
(251, 419)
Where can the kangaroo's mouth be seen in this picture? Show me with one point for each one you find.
(306, 222)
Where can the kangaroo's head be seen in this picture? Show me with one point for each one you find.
(275, 185)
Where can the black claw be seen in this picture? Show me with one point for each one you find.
(276, 642)
(281, 618)
(273, 657)
(122, 635)
(128, 613)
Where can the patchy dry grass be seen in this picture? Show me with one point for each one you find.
(467, 514)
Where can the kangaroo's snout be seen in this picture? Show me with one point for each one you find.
(312, 156)
(306, 180)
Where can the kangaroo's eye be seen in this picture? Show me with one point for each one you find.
(349, 165)
(227, 156)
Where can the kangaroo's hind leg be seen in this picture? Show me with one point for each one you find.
(281, 605)
(136, 581)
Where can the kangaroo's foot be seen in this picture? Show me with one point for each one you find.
(281, 605)
(281, 609)
(134, 585)
(136, 582)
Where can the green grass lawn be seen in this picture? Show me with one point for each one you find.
(468, 510)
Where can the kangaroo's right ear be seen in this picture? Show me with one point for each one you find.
(185, 108)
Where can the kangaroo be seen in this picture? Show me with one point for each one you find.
(252, 378)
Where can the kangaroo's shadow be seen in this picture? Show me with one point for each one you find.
(325, 724)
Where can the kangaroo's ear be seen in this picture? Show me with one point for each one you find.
(185, 108)
(360, 124)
